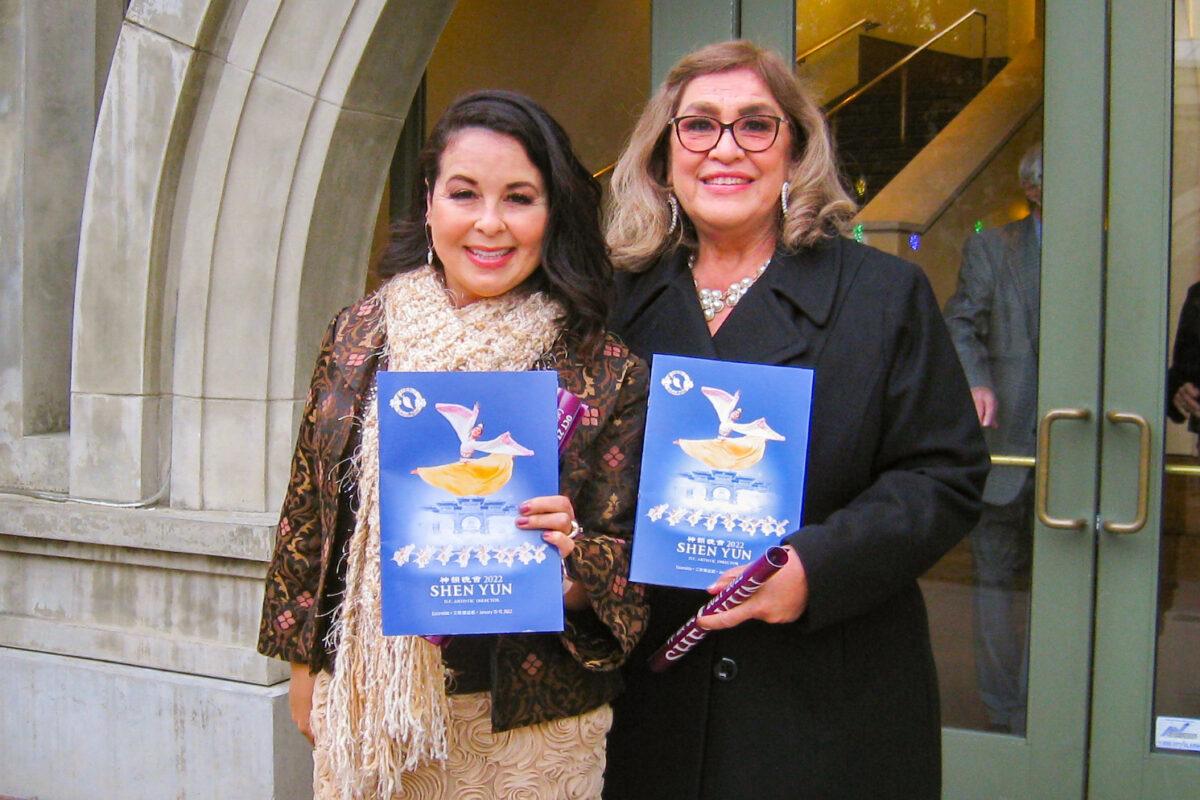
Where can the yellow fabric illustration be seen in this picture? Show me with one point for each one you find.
(477, 478)
(730, 454)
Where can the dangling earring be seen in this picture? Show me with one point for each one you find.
(783, 197)
(428, 245)
(674, 204)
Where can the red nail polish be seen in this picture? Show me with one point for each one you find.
(522, 522)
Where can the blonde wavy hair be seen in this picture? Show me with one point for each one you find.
(638, 214)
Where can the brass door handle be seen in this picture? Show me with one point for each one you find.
(1143, 495)
(1042, 470)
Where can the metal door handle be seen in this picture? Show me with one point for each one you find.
(1143, 495)
(1042, 470)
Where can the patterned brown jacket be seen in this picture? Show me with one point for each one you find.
(535, 677)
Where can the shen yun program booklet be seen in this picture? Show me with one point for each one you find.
(722, 469)
(458, 453)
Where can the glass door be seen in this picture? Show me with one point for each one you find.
(1067, 625)
(1016, 697)
(1068, 636)
(1145, 729)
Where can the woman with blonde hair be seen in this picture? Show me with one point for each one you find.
(726, 212)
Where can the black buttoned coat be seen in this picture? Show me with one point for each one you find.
(842, 703)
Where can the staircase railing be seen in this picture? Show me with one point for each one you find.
(864, 23)
(902, 67)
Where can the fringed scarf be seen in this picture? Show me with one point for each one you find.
(387, 711)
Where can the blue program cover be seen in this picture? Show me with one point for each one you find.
(458, 453)
(723, 467)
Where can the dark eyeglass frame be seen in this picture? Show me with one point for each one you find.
(727, 126)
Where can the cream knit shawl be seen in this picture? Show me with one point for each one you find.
(387, 710)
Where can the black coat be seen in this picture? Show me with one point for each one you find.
(842, 703)
(1185, 357)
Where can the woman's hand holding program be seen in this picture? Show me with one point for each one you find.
(555, 517)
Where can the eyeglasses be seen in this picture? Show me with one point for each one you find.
(753, 132)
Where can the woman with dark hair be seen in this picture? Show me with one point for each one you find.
(500, 265)
(726, 208)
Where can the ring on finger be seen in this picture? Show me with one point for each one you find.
(575, 531)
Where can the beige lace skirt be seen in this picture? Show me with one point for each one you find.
(559, 759)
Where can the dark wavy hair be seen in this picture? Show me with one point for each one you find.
(575, 269)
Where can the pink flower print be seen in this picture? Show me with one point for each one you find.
(285, 620)
(305, 600)
(612, 350)
(285, 527)
(356, 359)
(614, 457)
(532, 664)
(619, 583)
(591, 416)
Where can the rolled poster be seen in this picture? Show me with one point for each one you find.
(736, 593)
(570, 411)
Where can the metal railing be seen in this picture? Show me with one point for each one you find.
(1029, 462)
(902, 67)
(864, 23)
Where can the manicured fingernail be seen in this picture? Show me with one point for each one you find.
(522, 522)
(524, 508)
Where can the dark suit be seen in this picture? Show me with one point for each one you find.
(993, 319)
(843, 702)
(1185, 356)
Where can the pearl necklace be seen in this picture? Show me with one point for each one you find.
(714, 301)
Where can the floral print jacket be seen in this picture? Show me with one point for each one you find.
(535, 677)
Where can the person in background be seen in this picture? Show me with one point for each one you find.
(1183, 377)
(993, 318)
(725, 215)
(499, 266)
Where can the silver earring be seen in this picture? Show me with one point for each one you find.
(674, 204)
(783, 197)
(428, 245)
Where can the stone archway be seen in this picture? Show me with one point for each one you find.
(239, 159)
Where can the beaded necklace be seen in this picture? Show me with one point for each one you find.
(714, 301)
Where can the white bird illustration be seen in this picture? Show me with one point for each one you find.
(463, 420)
(728, 414)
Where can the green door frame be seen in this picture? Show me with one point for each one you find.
(1107, 127)
(679, 26)
(1123, 763)
(1050, 762)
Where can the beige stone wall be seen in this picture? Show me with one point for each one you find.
(241, 153)
(49, 78)
(220, 199)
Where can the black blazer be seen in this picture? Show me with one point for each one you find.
(842, 703)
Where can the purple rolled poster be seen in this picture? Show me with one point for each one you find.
(570, 411)
(690, 633)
